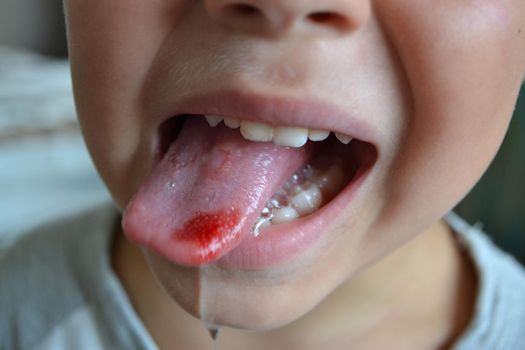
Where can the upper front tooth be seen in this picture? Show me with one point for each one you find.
(283, 135)
(232, 122)
(256, 131)
(290, 136)
(213, 120)
(318, 135)
(343, 138)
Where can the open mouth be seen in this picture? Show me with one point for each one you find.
(256, 195)
(338, 159)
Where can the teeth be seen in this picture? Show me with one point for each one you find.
(256, 131)
(213, 120)
(343, 138)
(304, 193)
(284, 214)
(290, 136)
(318, 135)
(232, 123)
(282, 135)
(307, 201)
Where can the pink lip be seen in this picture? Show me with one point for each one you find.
(281, 243)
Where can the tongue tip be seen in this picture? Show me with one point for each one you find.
(203, 239)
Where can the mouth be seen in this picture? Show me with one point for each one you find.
(319, 171)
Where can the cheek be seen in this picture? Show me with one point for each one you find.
(112, 44)
(463, 64)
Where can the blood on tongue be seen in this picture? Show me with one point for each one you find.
(208, 231)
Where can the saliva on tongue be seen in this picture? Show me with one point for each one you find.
(207, 192)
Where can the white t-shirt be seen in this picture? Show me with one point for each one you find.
(58, 291)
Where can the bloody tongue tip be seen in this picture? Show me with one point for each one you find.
(211, 234)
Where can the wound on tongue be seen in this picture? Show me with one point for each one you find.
(211, 233)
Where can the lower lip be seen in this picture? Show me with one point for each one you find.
(279, 244)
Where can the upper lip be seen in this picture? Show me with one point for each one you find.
(278, 111)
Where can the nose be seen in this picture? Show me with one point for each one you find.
(279, 17)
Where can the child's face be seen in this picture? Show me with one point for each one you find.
(430, 84)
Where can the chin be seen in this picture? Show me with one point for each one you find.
(254, 300)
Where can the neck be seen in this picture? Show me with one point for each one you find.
(428, 300)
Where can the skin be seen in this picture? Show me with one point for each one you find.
(438, 79)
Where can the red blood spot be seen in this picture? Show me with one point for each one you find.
(210, 232)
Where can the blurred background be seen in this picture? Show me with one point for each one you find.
(45, 171)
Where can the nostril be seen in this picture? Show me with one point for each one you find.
(327, 18)
(269, 17)
(244, 10)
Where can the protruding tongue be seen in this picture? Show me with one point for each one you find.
(207, 192)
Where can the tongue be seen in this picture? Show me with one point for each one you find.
(207, 192)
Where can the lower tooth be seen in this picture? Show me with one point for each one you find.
(284, 214)
(308, 200)
(279, 200)
(303, 194)
(296, 190)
